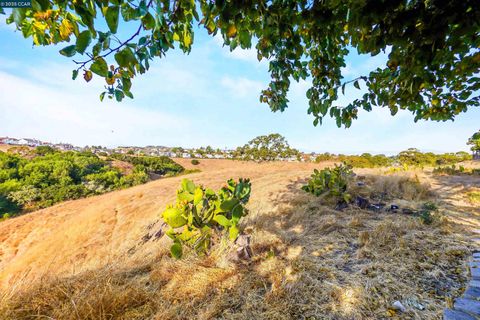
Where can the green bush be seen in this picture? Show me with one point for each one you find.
(195, 162)
(199, 212)
(158, 165)
(426, 213)
(330, 182)
(51, 176)
(453, 170)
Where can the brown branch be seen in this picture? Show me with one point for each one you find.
(122, 44)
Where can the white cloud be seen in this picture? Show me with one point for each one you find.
(73, 113)
(242, 87)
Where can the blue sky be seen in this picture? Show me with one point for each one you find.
(209, 97)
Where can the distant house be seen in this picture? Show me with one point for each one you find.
(11, 141)
(476, 155)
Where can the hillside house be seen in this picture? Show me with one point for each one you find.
(476, 155)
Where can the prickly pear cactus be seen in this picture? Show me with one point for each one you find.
(199, 211)
(331, 181)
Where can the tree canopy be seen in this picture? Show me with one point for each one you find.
(433, 46)
(474, 141)
(266, 148)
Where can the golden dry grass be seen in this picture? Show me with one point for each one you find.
(310, 261)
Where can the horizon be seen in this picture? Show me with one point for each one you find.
(179, 99)
(204, 146)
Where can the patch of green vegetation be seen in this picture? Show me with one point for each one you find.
(46, 176)
(330, 182)
(408, 158)
(453, 170)
(159, 165)
(195, 162)
(201, 211)
(474, 197)
(426, 214)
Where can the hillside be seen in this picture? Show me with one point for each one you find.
(105, 228)
(302, 249)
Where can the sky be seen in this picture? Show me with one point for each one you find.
(209, 97)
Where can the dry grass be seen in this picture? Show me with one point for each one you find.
(310, 262)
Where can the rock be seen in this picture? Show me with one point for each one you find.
(397, 305)
(472, 293)
(242, 250)
(394, 207)
(361, 202)
(360, 184)
(408, 211)
(341, 206)
(467, 305)
(450, 314)
(376, 207)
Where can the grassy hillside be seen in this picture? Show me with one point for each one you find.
(103, 258)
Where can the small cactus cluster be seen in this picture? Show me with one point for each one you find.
(330, 181)
(199, 211)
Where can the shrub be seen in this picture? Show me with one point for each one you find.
(195, 162)
(453, 170)
(426, 212)
(200, 212)
(158, 165)
(474, 197)
(330, 182)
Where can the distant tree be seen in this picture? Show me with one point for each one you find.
(431, 70)
(267, 148)
(209, 150)
(43, 150)
(474, 141)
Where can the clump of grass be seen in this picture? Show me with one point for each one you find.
(401, 187)
(474, 197)
(100, 294)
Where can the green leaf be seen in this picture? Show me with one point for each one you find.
(233, 232)
(74, 74)
(198, 196)
(356, 85)
(83, 41)
(228, 205)
(100, 67)
(174, 218)
(68, 51)
(237, 213)
(112, 18)
(176, 250)
(119, 95)
(96, 49)
(129, 13)
(125, 57)
(102, 95)
(222, 220)
(188, 185)
(148, 21)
